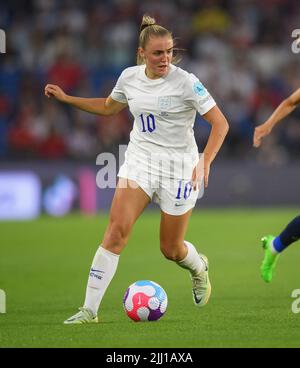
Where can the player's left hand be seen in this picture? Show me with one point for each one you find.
(200, 173)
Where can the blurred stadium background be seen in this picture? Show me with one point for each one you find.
(241, 50)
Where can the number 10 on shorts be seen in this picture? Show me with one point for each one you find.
(184, 189)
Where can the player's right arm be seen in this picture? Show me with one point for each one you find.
(284, 109)
(99, 106)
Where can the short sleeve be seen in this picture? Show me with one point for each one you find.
(197, 96)
(118, 93)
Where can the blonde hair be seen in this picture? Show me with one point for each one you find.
(148, 29)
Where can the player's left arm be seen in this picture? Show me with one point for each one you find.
(219, 130)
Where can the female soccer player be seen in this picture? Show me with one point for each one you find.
(164, 100)
(272, 245)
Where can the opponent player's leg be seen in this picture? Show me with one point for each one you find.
(273, 246)
(128, 203)
(175, 248)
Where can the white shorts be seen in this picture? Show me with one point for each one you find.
(174, 196)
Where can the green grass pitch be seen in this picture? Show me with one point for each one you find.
(44, 266)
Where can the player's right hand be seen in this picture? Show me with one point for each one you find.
(51, 90)
(260, 132)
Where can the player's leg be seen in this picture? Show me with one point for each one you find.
(175, 248)
(273, 246)
(128, 203)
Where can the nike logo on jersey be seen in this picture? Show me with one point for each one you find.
(179, 204)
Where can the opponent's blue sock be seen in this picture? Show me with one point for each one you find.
(277, 244)
(289, 235)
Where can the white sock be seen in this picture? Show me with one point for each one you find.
(103, 268)
(192, 261)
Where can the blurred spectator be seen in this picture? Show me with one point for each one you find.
(21, 140)
(81, 141)
(66, 73)
(53, 146)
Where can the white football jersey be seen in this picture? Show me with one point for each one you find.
(164, 109)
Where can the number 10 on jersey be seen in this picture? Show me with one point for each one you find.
(148, 123)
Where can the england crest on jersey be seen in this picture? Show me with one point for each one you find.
(164, 103)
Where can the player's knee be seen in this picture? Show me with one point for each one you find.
(171, 251)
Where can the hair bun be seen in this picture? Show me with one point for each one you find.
(146, 22)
